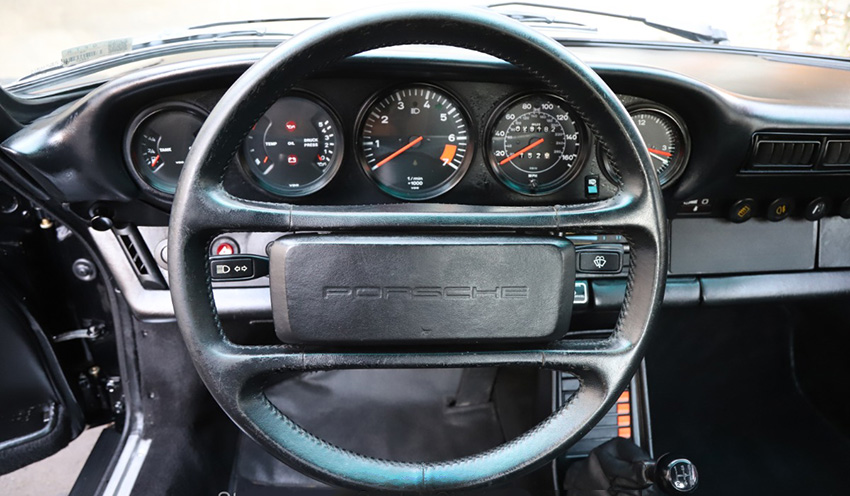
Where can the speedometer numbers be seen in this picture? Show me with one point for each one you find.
(535, 144)
(414, 142)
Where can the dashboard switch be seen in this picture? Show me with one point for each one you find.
(581, 296)
(742, 210)
(599, 261)
(780, 209)
(225, 249)
(697, 206)
(224, 246)
(238, 268)
(817, 209)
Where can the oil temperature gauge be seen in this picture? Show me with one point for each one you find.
(295, 148)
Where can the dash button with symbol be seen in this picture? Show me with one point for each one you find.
(599, 261)
(238, 268)
(231, 268)
(817, 209)
(742, 210)
(780, 209)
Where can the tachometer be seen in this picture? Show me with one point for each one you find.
(160, 139)
(415, 142)
(535, 144)
(295, 148)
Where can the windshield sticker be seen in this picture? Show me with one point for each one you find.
(84, 53)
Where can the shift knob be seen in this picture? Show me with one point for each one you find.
(675, 475)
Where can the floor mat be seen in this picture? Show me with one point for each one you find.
(393, 414)
(723, 393)
(405, 415)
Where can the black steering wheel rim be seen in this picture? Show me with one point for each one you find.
(202, 209)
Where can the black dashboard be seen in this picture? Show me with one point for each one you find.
(756, 176)
(716, 128)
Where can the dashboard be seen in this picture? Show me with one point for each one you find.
(756, 177)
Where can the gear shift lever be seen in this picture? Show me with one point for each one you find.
(621, 467)
(672, 475)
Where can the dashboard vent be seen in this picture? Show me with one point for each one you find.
(775, 154)
(799, 153)
(837, 153)
(133, 253)
(140, 258)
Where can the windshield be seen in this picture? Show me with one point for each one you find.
(38, 34)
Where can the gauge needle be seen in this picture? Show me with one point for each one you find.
(517, 154)
(659, 155)
(659, 152)
(398, 152)
(154, 162)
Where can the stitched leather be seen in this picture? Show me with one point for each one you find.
(236, 382)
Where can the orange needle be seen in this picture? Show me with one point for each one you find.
(398, 152)
(517, 154)
(659, 152)
(154, 161)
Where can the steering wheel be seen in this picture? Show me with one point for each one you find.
(235, 374)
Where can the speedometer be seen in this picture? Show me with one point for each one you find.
(415, 142)
(535, 144)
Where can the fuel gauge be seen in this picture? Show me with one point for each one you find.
(160, 140)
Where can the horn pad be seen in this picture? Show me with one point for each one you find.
(352, 289)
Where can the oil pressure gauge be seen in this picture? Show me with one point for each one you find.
(295, 148)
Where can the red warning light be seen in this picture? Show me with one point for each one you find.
(225, 249)
(290, 126)
(292, 159)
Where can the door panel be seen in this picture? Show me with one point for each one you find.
(38, 413)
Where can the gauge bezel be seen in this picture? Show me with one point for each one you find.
(316, 185)
(672, 172)
(132, 129)
(438, 190)
(503, 177)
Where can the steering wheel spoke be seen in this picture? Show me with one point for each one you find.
(243, 364)
(224, 212)
(219, 211)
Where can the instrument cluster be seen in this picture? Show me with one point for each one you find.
(414, 142)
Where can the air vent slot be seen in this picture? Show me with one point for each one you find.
(133, 253)
(777, 154)
(837, 153)
(140, 258)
